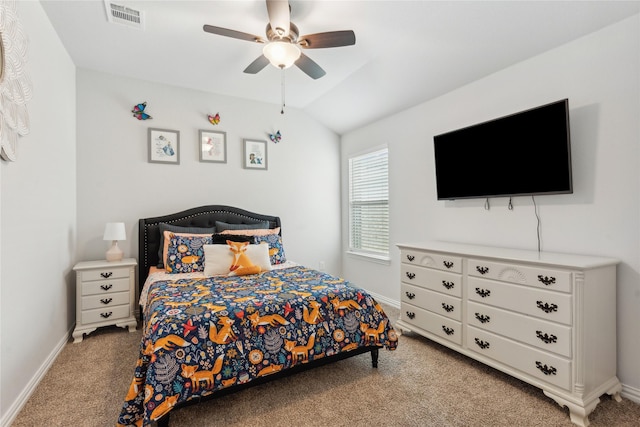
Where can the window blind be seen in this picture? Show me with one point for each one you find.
(369, 203)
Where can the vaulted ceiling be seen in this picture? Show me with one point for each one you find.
(406, 52)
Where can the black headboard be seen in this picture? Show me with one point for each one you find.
(203, 216)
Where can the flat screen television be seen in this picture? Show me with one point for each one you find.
(526, 153)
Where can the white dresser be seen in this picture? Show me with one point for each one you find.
(105, 295)
(547, 319)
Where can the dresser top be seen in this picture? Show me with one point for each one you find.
(517, 255)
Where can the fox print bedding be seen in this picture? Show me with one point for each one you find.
(201, 335)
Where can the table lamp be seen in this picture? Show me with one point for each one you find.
(114, 231)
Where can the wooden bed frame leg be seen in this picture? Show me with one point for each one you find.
(374, 357)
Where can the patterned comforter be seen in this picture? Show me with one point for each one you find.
(202, 335)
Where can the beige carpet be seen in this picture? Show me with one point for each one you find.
(419, 384)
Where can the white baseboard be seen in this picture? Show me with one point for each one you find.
(381, 298)
(630, 393)
(23, 397)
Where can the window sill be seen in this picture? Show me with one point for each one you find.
(379, 259)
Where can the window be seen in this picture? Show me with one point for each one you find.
(369, 204)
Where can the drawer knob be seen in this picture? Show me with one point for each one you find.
(448, 331)
(546, 307)
(106, 300)
(411, 314)
(546, 279)
(547, 370)
(448, 285)
(483, 318)
(448, 264)
(482, 344)
(447, 307)
(483, 292)
(106, 315)
(410, 295)
(106, 275)
(411, 258)
(546, 338)
(106, 287)
(411, 276)
(482, 270)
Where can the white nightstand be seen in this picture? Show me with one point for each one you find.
(105, 295)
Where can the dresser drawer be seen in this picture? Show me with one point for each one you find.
(547, 336)
(105, 273)
(105, 286)
(540, 277)
(552, 306)
(444, 305)
(104, 314)
(543, 366)
(440, 281)
(431, 322)
(432, 260)
(103, 301)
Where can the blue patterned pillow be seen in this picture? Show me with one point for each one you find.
(276, 250)
(185, 254)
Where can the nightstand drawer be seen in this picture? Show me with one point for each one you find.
(104, 314)
(105, 286)
(105, 274)
(104, 301)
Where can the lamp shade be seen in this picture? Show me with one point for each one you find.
(115, 231)
(281, 54)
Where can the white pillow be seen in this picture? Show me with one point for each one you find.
(218, 258)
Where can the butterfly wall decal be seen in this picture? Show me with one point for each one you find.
(214, 120)
(139, 113)
(275, 137)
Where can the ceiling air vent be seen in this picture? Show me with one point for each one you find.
(124, 15)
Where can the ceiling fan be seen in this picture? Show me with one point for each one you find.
(283, 42)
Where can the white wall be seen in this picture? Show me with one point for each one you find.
(116, 182)
(600, 75)
(37, 219)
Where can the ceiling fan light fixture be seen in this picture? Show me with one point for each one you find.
(281, 54)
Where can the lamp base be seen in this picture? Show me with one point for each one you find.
(114, 253)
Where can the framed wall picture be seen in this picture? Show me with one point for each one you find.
(255, 154)
(213, 146)
(164, 146)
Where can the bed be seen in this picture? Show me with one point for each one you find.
(223, 309)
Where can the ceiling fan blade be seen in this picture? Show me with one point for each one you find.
(232, 33)
(279, 17)
(257, 65)
(309, 67)
(329, 39)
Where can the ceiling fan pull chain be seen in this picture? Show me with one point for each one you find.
(282, 108)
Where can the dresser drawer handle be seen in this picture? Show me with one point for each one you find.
(546, 279)
(106, 315)
(448, 264)
(410, 295)
(482, 270)
(106, 300)
(447, 307)
(411, 276)
(106, 275)
(546, 307)
(483, 318)
(411, 314)
(448, 331)
(448, 285)
(547, 370)
(546, 338)
(482, 344)
(483, 292)
(106, 287)
(411, 258)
